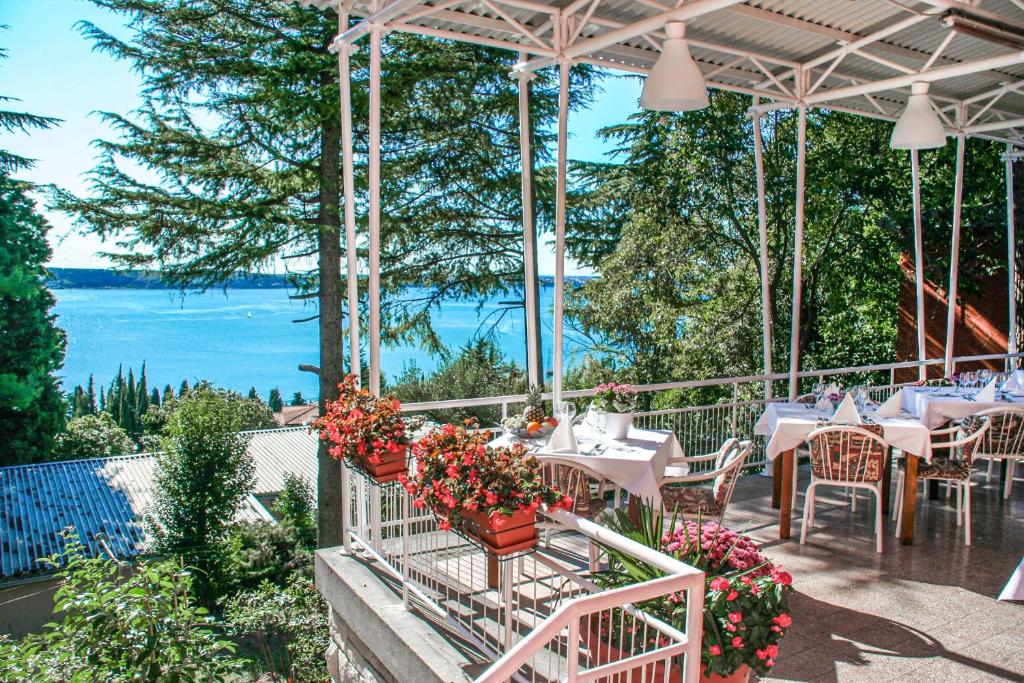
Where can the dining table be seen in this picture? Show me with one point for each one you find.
(635, 464)
(787, 426)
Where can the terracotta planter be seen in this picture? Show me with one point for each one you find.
(603, 653)
(392, 464)
(740, 675)
(503, 534)
(616, 425)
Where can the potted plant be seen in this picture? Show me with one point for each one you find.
(616, 402)
(490, 493)
(366, 430)
(746, 600)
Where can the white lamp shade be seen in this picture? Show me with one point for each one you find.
(919, 126)
(675, 82)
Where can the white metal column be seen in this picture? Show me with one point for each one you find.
(1011, 258)
(922, 340)
(345, 88)
(762, 226)
(529, 236)
(374, 217)
(560, 189)
(798, 249)
(954, 256)
(348, 182)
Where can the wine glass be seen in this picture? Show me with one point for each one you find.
(566, 410)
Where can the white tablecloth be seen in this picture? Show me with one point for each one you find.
(935, 406)
(636, 463)
(788, 424)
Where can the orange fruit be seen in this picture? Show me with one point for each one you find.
(532, 427)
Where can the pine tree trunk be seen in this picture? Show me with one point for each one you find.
(332, 362)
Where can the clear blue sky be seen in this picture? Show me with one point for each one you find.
(53, 71)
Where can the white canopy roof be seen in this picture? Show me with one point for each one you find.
(855, 55)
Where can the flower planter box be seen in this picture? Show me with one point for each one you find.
(503, 534)
(392, 465)
(605, 653)
(740, 675)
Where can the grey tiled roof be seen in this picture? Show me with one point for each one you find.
(110, 496)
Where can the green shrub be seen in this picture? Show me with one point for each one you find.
(92, 436)
(119, 623)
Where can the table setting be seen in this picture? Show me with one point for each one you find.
(635, 462)
(966, 394)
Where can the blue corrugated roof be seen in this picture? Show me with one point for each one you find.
(111, 496)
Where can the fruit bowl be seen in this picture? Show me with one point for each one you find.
(542, 433)
(518, 427)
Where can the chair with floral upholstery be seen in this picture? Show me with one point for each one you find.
(679, 494)
(1004, 441)
(954, 467)
(846, 456)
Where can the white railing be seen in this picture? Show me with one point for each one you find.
(537, 614)
(702, 428)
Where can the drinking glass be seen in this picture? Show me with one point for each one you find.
(566, 410)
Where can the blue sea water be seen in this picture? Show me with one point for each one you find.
(242, 338)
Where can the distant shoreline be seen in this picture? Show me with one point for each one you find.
(102, 278)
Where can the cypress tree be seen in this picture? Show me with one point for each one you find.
(91, 395)
(276, 403)
(168, 393)
(183, 389)
(130, 405)
(142, 399)
(154, 398)
(253, 394)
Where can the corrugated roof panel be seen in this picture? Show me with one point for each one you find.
(112, 495)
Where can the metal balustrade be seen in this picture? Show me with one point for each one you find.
(536, 614)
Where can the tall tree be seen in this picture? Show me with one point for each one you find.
(32, 408)
(240, 119)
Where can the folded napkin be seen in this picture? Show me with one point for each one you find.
(892, 405)
(1015, 381)
(1014, 588)
(562, 439)
(847, 413)
(988, 394)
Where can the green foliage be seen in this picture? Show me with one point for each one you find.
(32, 408)
(202, 478)
(479, 369)
(295, 507)
(119, 624)
(297, 399)
(285, 629)
(251, 414)
(276, 403)
(677, 241)
(92, 436)
(260, 551)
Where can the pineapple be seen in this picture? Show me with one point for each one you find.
(534, 411)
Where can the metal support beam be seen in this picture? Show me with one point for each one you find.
(560, 190)
(954, 256)
(798, 250)
(1011, 257)
(940, 73)
(373, 173)
(351, 275)
(922, 352)
(385, 14)
(348, 183)
(762, 226)
(531, 310)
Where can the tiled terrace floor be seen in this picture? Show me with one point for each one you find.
(925, 612)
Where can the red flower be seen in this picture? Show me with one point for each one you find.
(444, 525)
(730, 628)
(735, 617)
(772, 650)
(761, 654)
(719, 583)
(714, 650)
(783, 620)
(732, 596)
(737, 642)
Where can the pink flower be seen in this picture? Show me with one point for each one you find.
(732, 596)
(735, 617)
(761, 654)
(719, 583)
(783, 620)
(714, 650)
(737, 642)
(772, 650)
